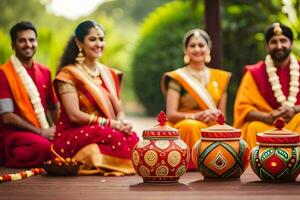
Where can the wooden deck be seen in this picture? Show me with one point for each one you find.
(190, 186)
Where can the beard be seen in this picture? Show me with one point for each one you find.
(25, 56)
(280, 55)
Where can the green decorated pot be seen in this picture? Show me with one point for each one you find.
(277, 155)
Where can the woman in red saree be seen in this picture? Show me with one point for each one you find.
(91, 127)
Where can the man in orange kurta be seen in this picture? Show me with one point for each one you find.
(25, 133)
(270, 88)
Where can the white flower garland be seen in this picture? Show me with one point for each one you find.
(275, 84)
(32, 92)
(21, 175)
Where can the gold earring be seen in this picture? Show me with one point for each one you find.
(207, 58)
(80, 57)
(186, 59)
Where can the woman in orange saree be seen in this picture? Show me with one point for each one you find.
(195, 94)
(91, 127)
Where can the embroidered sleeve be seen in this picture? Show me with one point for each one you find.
(65, 76)
(174, 85)
(64, 87)
(6, 105)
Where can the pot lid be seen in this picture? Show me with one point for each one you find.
(221, 130)
(161, 130)
(278, 136)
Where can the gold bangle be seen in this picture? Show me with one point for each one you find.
(91, 119)
(95, 119)
(99, 120)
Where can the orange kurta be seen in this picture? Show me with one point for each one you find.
(249, 98)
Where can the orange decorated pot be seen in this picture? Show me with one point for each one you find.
(160, 156)
(221, 153)
(277, 155)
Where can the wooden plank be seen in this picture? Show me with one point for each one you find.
(191, 186)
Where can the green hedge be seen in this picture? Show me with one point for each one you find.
(5, 47)
(160, 49)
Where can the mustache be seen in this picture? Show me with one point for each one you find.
(280, 54)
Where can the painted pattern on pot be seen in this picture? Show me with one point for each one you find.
(276, 158)
(160, 156)
(221, 153)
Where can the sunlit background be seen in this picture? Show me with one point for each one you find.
(73, 9)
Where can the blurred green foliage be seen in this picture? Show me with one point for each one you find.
(129, 10)
(243, 26)
(16, 10)
(125, 17)
(160, 49)
(50, 35)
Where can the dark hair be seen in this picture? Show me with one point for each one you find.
(190, 33)
(71, 50)
(21, 26)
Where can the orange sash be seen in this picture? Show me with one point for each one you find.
(200, 94)
(248, 98)
(107, 102)
(19, 93)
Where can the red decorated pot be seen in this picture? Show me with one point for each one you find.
(221, 153)
(160, 156)
(277, 155)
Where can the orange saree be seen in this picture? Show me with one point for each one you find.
(203, 98)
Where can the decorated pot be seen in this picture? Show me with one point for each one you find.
(276, 157)
(221, 153)
(160, 156)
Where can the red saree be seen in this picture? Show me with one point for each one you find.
(101, 147)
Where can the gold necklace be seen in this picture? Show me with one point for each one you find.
(93, 73)
(200, 75)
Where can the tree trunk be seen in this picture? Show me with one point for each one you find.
(213, 28)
